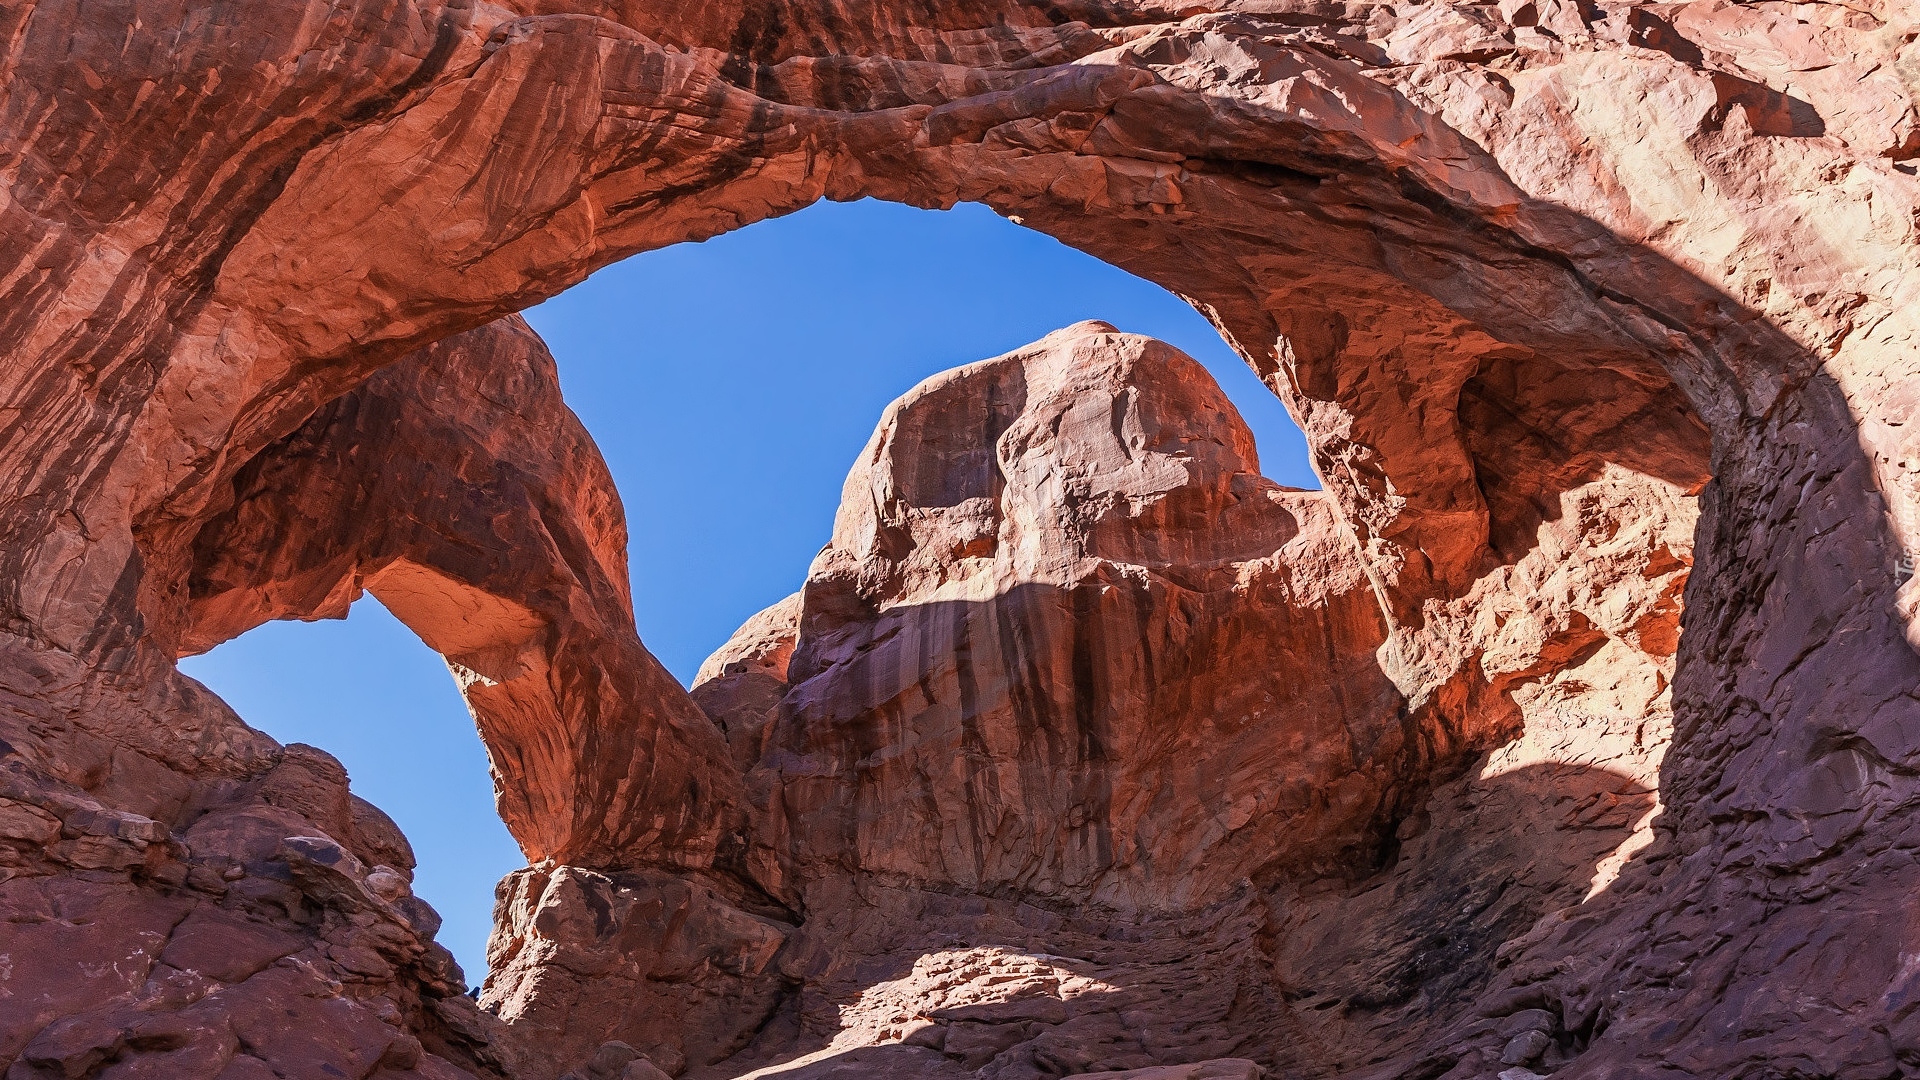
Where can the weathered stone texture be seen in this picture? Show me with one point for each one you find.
(1067, 645)
(1590, 311)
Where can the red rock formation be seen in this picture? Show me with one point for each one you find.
(263, 925)
(1510, 265)
(1068, 648)
(459, 489)
(1030, 657)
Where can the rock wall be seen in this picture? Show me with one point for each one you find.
(1025, 661)
(1069, 656)
(255, 915)
(1528, 274)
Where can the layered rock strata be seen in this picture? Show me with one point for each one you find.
(257, 924)
(1527, 274)
(458, 488)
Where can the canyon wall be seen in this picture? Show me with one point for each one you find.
(1574, 302)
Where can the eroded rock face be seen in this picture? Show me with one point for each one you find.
(260, 926)
(204, 902)
(1067, 648)
(1025, 659)
(1512, 266)
(458, 488)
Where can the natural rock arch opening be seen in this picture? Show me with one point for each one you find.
(731, 383)
(547, 685)
(367, 691)
(1381, 220)
(888, 236)
(1468, 705)
(491, 404)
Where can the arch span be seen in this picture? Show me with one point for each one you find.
(1489, 259)
(458, 489)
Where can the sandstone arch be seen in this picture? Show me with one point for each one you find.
(458, 489)
(1435, 231)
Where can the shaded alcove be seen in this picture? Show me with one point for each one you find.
(730, 385)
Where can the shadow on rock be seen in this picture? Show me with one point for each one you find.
(919, 983)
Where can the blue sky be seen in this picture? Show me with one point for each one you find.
(730, 385)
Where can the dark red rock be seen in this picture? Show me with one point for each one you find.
(1528, 274)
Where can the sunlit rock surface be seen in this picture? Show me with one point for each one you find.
(1068, 650)
(1528, 274)
(1023, 661)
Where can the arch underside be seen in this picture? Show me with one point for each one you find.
(1519, 343)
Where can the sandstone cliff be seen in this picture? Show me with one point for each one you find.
(1574, 301)
(1070, 654)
